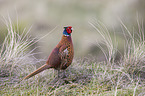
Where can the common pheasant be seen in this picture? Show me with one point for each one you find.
(61, 56)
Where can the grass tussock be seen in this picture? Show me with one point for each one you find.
(14, 52)
(85, 76)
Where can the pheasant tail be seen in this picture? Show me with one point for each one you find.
(42, 68)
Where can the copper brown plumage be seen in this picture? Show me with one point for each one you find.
(61, 56)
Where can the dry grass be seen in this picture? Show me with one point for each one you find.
(85, 76)
(129, 70)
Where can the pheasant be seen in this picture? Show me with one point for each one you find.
(61, 56)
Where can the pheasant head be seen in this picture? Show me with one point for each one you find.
(67, 31)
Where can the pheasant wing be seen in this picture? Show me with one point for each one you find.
(63, 55)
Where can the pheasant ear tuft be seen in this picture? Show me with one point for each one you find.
(64, 27)
(67, 27)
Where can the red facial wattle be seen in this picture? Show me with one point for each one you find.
(68, 30)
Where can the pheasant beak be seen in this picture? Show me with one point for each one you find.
(72, 29)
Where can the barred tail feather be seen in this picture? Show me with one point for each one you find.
(42, 68)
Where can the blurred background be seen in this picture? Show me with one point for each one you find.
(45, 15)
